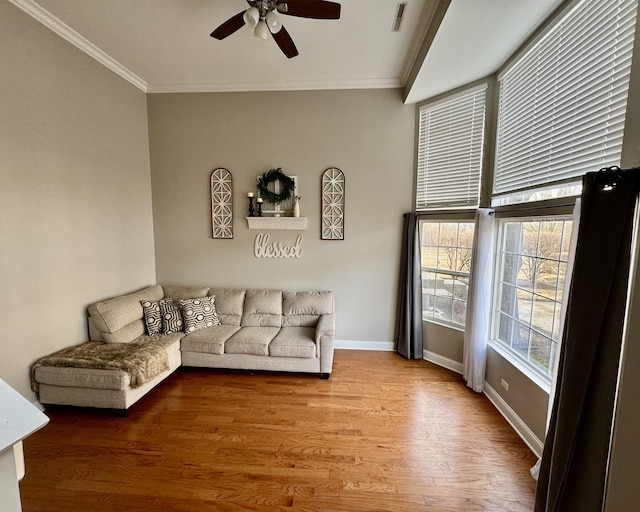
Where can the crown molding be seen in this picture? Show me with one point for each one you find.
(66, 32)
(320, 85)
(63, 30)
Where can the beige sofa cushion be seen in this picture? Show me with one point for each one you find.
(262, 308)
(210, 340)
(294, 342)
(127, 334)
(185, 292)
(229, 305)
(82, 377)
(171, 342)
(113, 314)
(251, 340)
(302, 309)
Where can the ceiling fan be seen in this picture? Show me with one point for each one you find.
(263, 18)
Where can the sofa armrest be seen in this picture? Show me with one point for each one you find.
(326, 327)
(325, 333)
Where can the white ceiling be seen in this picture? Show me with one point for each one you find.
(164, 45)
(475, 38)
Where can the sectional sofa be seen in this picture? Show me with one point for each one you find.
(251, 329)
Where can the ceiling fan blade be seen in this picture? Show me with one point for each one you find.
(229, 26)
(286, 44)
(317, 9)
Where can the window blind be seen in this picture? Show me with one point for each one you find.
(450, 139)
(562, 104)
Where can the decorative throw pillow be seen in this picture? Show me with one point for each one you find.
(152, 316)
(171, 317)
(199, 313)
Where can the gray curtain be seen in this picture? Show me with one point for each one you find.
(574, 462)
(408, 336)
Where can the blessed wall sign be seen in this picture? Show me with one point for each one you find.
(264, 248)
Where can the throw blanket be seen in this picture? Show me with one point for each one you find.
(141, 360)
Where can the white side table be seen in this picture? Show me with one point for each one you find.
(18, 419)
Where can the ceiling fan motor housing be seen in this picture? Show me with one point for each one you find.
(266, 6)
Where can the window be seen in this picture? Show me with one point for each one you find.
(531, 268)
(561, 113)
(451, 134)
(563, 102)
(446, 261)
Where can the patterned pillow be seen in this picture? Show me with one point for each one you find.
(152, 317)
(171, 317)
(199, 313)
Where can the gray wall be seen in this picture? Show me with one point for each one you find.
(527, 399)
(623, 491)
(75, 201)
(367, 134)
(443, 341)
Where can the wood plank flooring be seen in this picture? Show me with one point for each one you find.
(383, 434)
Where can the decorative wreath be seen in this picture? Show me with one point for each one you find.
(287, 186)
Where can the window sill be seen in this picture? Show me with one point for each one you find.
(534, 377)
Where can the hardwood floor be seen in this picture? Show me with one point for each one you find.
(383, 434)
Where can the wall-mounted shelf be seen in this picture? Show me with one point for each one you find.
(291, 223)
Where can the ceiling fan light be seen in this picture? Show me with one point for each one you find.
(251, 17)
(261, 30)
(273, 22)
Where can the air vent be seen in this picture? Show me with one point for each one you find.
(399, 14)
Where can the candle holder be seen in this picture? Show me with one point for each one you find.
(251, 210)
(259, 207)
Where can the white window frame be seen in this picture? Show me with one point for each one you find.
(438, 270)
(541, 378)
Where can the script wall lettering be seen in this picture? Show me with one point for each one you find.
(264, 249)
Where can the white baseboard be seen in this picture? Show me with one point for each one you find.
(445, 362)
(514, 420)
(385, 346)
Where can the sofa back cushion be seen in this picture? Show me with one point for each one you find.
(127, 334)
(229, 305)
(185, 292)
(302, 309)
(112, 315)
(262, 308)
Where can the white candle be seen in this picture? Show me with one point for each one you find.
(259, 199)
(250, 194)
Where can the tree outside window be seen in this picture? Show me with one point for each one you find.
(532, 265)
(446, 263)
